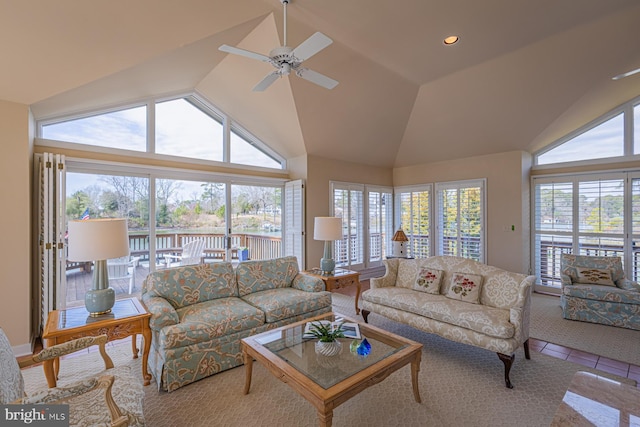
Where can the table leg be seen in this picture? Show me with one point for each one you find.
(415, 369)
(248, 369)
(358, 288)
(325, 417)
(50, 372)
(146, 336)
(134, 347)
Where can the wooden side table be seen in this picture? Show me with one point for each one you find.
(128, 317)
(340, 278)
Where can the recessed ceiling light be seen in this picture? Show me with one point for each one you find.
(451, 40)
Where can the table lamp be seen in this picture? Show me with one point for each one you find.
(98, 240)
(327, 228)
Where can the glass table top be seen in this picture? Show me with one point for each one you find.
(79, 316)
(327, 371)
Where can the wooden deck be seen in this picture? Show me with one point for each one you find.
(79, 282)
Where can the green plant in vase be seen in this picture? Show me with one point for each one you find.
(327, 334)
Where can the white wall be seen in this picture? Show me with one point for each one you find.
(507, 176)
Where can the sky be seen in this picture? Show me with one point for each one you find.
(181, 130)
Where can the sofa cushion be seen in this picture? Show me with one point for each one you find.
(478, 318)
(283, 303)
(569, 264)
(192, 284)
(210, 319)
(500, 288)
(602, 293)
(594, 276)
(428, 280)
(465, 287)
(256, 276)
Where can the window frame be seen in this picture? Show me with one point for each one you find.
(408, 228)
(627, 110)
(228, 123)
(628, 255)
(459, 185)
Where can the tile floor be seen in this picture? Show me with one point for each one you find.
(600, 363)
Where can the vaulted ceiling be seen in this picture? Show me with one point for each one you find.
(523, 73)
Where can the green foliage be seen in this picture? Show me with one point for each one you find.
(324, 332)
(77, 203)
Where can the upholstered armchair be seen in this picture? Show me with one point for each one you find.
(594, 289)
(92, 401)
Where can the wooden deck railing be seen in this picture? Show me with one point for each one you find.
(259, 246)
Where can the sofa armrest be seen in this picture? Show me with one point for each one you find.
(162, 312)
(628, 285)
(520, 315)
(390, 275)
(308, 283)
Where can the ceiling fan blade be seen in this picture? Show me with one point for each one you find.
(266, 82)
(246, 53)
(627, 74)
(317, 78)
(311, 46)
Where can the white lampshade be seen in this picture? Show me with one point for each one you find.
(327, 228)
(97, 239)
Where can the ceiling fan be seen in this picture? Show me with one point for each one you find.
(627, 74)
(286, 59)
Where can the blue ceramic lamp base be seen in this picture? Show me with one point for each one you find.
(101, 298)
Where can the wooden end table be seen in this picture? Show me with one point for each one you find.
(341, 278)
(128, 317)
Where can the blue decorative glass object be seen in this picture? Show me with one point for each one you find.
(364, 348)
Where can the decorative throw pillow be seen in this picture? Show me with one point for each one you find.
(594, 276)
(428, 280)
(465, 287)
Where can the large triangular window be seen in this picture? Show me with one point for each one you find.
(602, 141)
(186, 127)
(613, 137)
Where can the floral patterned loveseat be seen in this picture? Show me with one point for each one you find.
(595, 290)
(199, 313)
(458, 299)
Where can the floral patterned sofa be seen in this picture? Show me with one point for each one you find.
(199, 313)
(595, 290)
(458, 299)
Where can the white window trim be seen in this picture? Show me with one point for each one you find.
(482, 183)
(228, 123)
(397, 211)
(627, 110)
(627, 235)
(367, 250)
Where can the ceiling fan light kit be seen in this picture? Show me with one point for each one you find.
(286, 59)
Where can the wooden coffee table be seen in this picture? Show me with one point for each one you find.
(293, 360)
(128, 317)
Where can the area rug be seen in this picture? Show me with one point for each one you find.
(459, 385)
(548, 325)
